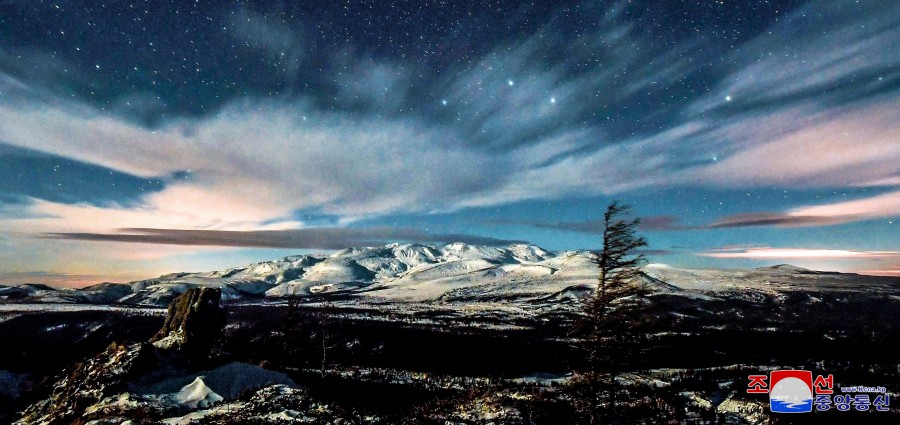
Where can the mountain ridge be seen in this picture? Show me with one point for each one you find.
(413, 272)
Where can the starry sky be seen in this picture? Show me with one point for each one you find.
(141, 138)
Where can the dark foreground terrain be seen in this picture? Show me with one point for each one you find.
(370, 365)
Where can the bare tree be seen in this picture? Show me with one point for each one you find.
(327, 335)
(310, 331)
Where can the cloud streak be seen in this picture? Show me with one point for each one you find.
(50, 278)
(771, 219)
(879, 206)
(648, 223)
(885, 205)
(847, 146)
(891, 271)
(309, 238)
(768, 253)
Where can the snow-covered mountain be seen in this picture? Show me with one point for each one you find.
(454, 273)
(401, 272)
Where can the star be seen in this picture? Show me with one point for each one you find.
(510, 83)
(552, 100)
(444, 102)
(728, 98)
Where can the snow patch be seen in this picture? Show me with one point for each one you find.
(196, 395)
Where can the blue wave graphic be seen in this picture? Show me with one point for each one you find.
(780, 406)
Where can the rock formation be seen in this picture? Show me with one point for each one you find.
(194, 322)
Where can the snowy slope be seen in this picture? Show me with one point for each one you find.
(224, 382)
(769, 281)
(407, 272)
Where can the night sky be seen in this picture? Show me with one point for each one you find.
(141, 138)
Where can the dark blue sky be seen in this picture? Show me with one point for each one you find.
(744, 134)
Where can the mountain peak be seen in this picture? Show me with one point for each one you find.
(788, 268)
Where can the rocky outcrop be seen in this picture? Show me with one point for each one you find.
(194, 322)
(90, 381)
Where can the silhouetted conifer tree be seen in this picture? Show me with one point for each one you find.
(609, 332)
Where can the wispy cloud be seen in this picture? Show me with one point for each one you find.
(270, 37)
(661, 223)
(849, 145)
(496, 131)
(649, 223)
(654, 252)
(810, 102)
(824, 54)
(879, 206)
(506, 128)
(885, 205)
